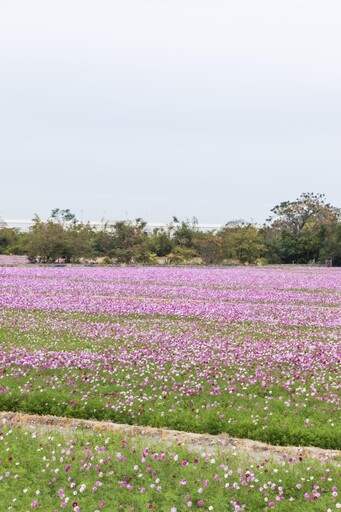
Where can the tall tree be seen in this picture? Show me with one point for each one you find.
(60, 237)
(209, 247)
(297, 229)
(45, 241)
(308, 210)
(183, 232)
(242, 241)
(127, 239)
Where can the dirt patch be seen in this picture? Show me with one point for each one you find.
(221, 443)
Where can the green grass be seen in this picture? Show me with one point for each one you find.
(51, 470)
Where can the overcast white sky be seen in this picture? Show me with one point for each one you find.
(218, 109)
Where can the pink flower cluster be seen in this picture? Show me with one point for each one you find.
(201, 349)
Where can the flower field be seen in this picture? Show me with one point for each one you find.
(83, 471)
(252, 352)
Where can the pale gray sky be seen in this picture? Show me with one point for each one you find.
(218, 109)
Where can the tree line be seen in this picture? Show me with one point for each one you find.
(307, 230)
